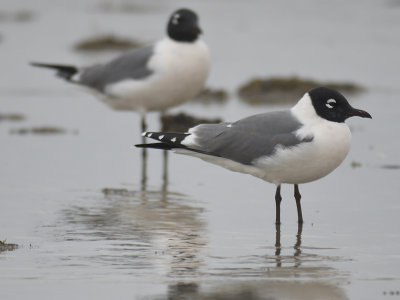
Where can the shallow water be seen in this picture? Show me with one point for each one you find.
(89, 226)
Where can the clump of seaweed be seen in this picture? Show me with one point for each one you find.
(182, 122)
(115, 192)
(391, 167)
(22, 15)
(127, 7)
(355, 164)
(106, 43)
(277, 90)
(211, 96)
(43, 130)
(14, 117)
(4, 246)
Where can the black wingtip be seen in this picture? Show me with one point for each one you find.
(64, 71)
(52, 66)
(160, 146)
(36, 64)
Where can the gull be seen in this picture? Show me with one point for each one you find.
(295, 146)
(151, 78)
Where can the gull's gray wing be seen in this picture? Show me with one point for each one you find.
(131, 65)
(248, 139)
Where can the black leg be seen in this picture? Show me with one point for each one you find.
(144, 169)
(278, 199)
(297, 196)
(164, 125)
(144, 153)
(165, 171)
(144, 127)
(278, 246)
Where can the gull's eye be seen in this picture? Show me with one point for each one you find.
(330, 103)
(175, 19)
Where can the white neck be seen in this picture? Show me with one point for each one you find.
(305, 111)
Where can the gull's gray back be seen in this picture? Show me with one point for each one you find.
(249, 138)
(131, 65)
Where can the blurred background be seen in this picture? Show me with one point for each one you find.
(81, 217)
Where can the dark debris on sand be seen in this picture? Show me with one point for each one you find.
(116, 192)
(182, 122)
(7, 246)
(278, 90)
(127, 7)
(18, 16)
(14, 117)
(212, 96)
(43, 130)
(106, 43)
(391, 167)
(355, 164)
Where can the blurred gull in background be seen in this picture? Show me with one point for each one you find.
(150, 78)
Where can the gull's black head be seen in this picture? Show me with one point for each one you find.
(183, 26)
(333, 106)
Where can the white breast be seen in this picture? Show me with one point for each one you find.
(308, 161)
(179, 73)
(311, 160)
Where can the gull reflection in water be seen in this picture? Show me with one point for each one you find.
(139, 231)
(144, 158)
(296, 247)
(299, 275)
(256, 290)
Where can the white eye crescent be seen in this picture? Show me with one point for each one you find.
(175, 19)
(330, 102)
